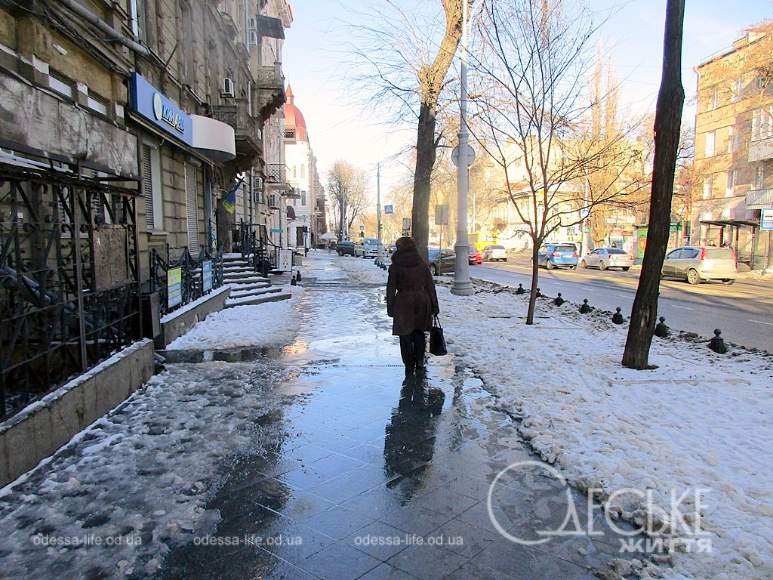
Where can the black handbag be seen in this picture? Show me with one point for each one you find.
(437, 341)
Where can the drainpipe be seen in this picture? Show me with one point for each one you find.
(111, 32)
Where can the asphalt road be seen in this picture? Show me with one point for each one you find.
(744, 311)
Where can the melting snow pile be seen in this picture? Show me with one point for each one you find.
(268, 324)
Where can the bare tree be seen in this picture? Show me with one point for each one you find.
(531, 117)
(408, 64)
(346, 187)
(668, 120)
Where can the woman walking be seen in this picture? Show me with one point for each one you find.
(411, 302)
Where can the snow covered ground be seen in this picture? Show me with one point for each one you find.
(700, 421)
(269, 324)
(137, 480)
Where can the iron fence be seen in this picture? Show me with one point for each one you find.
(196, 279)
(256, 247)
(69, 284)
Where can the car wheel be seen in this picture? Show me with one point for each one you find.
(434, 270)
(728, 281)
(693, 277)
(626, 268)
(549, 265)
(602, 266)
(584, 265)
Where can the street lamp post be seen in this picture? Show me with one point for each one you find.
(462, 285)
(379, 253)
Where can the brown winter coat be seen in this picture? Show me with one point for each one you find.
(411, 298)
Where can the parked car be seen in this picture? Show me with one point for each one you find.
(701, 263)
(563, 255)
(345, 248)
(441, 263)
(494, 254)
(475, 256)
(603, 258)
(371, 247)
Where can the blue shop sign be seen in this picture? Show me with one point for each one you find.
(147, 101)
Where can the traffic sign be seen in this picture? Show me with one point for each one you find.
(470, 155)
(441, 215)
(389, 209)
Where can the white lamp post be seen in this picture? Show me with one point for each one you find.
(462, 285)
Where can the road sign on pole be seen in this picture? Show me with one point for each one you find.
(441, 214)
(470, 155)
(389, 209)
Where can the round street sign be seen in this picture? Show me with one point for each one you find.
(470, 155)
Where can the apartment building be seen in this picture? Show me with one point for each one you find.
(734, 148)
(130, 130)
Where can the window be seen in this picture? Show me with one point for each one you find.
(759, 177)
(762, 124)
(714, 98)
(303, 171)
(96, 103)
(735, 89)
(730, 139)
(689, 253)
(708, 149)
(303, 198)
(731, 177)
(708, 187)
(151, 188)
(191, 209)
(60, 84)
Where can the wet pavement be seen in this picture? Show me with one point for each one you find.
(368, 475)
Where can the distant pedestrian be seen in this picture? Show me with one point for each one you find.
(411, 302)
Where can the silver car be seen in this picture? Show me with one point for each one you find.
(603, 258)
(701, 263)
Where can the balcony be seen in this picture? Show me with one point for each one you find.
(761, 149)
(249, 144)
(276, 175)
(759, 199)
(269, 90)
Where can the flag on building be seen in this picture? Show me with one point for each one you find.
(229, 199)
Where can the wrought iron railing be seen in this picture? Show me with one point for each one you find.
(69, 285)
(256, 247)
(276, 173)
(192, 284)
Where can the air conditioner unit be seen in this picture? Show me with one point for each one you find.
(228, 87)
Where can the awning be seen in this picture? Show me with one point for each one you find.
(290, 212)
(214, 138)
(737, 223)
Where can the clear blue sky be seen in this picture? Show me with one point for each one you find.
(316, 62)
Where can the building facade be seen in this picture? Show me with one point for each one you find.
(734, 148)
(305, 207)
(132, 137)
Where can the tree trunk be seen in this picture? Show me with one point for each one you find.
(668, 120)
(422, 177)
(534, 282)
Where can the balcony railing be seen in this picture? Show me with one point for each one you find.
(759, 198)
(761, 149)
(269, 89)
(246, 127)
(276, 173)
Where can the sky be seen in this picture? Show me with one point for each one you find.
(317, 63)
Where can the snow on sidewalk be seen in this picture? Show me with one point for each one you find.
(268, 324)
(701, 420)
(138, 479)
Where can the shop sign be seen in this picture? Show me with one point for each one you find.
(148, 102)
(206, 275)
(766, 218)
(174, 287)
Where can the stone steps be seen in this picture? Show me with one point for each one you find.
(260, 299)
(236, 286)
(237, 292)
